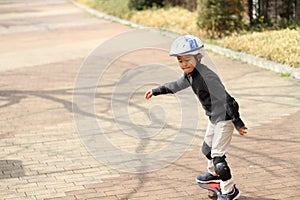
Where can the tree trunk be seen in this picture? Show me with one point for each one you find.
(250, 10)
(297, 11)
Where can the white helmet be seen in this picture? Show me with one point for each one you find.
(187, 45)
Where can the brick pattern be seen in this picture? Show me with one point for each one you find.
(43, 44)
(263, 166)
(41, 153)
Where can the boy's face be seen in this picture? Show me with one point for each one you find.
(187, 63)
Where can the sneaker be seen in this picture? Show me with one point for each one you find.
(208, 178)
(235, 194)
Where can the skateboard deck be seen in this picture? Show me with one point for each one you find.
(213, 188)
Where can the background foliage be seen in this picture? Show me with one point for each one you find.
(220, 17)
(144, 4)
(273, 43)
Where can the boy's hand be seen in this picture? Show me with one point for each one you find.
(243, 130)
(148, 94)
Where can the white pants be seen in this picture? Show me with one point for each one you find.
(218, 136)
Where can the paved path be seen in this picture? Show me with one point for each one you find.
(44, 43)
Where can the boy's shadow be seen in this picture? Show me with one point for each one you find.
(249, 198)
(254, 198)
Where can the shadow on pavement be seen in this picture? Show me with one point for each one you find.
(11, 169)
(254, 198)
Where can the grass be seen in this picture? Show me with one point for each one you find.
(116, 8)
(181, 21)
(281, 46)
(286, 74)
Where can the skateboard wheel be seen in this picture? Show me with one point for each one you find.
(212, 194)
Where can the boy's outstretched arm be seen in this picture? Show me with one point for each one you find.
(168, 88)
(148, 94)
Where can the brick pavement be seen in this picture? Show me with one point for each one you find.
(42, 47)
(264, 166)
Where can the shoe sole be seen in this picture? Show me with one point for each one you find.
(212, 181)
(235, 198)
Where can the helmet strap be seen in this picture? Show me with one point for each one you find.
(197, 58)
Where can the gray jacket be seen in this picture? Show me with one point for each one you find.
(206, 84)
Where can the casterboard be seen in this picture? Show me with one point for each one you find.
(213, 188)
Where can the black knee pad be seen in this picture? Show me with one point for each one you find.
(206, 150)
(222, 168)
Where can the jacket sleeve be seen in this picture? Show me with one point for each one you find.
(172, 87)
(232, 108)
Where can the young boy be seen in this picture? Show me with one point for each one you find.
(220, 107)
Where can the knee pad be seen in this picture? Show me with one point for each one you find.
(206, 150)
(222, 168)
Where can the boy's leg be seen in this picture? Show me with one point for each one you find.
(207, 146)
(210, 176)
(223, 132)
(211, 167)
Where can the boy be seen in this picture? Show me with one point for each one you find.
(220, 107)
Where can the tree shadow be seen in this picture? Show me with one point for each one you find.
(12, 97)
(11, 169)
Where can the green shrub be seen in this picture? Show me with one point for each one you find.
(220, 17)
(190, 5)
(144, 4)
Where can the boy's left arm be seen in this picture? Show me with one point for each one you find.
(233, 110)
